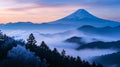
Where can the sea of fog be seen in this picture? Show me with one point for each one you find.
(56, 40)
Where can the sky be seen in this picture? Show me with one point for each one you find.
(40, 11)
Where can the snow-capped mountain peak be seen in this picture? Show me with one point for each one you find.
(82, 17)
(80, 14)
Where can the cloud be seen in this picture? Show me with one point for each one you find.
(34, 10)
(71, 2)
(31, 4)
(24, 7)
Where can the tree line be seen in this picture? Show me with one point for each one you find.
(18, 53)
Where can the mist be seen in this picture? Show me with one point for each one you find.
(86, 54)
(56, 40)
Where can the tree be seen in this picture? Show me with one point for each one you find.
(19, 56)
(44, 63)
(31, 40)
(94, 64)
(79, 59)
(13, 54)
(55, 50)
(2, 37)
(99, 65)
(63, 53)
(44, 46)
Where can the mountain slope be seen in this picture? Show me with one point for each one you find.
(79, 14)
(110, 60)
(79, 18)
(112, 32)
(82, 17)
(33, 26)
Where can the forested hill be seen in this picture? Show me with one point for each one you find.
(18, 53)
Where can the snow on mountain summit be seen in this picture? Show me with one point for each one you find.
(80, 14)
(82, 17)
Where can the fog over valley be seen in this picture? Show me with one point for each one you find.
(79, 37)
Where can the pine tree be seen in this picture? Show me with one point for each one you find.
(55, 50)
(99, 65)
(44, 46)
(94, 64)
(1, 37)
(79, 59)
(63, 53)
(44, 63)
(31, 40)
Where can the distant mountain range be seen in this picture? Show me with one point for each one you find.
(33, 26)
(106, 60)
(93, 43)
(101, 31)
(79, 18)
(76, 40)
(100, 45)
(81, 40)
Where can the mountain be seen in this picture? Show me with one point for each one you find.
(79, 18)
(34, 26)
(108, 31)
(100, 45)
(80, 40)
(82, 17)
(78, 15)
(106, 59)
(74, 39)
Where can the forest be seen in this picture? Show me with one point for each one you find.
(19, 53)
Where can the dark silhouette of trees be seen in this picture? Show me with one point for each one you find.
(55, 50)
(19, 56)
(56, 59)
(44, 63)
(44, 46)
(47, 57)
(94, 64)
(101, 45)
(99, 65)
(63, 52)
(31, 40)
(6, 43)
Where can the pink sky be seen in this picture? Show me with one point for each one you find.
(21, 10)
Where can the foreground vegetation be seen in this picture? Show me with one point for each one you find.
(18, 53)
